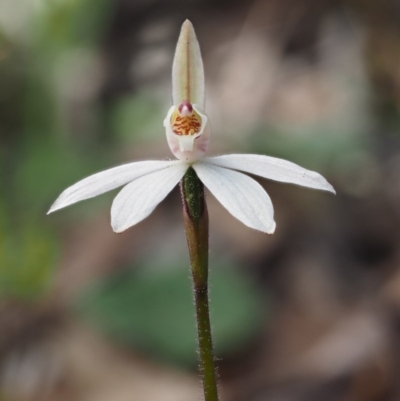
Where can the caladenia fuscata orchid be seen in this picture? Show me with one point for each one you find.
(147, 183)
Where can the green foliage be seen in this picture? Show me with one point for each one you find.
(136, 118)
(68, 22)
(314, 147)
(39, 155)
(152, 309)
(38, 184)
(27, 259)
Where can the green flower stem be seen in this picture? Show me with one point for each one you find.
(196, 227)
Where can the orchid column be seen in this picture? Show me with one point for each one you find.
(188, 135)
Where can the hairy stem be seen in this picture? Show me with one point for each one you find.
(196, 227)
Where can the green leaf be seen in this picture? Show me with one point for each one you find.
(27, 260)
(152, 309)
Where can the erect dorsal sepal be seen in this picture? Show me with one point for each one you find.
(187, 68)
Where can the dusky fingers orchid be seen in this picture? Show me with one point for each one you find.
(149, 182)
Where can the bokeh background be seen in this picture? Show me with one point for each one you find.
(310, 313)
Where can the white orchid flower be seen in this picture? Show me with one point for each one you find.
(188, 135)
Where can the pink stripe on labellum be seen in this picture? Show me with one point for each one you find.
(185, 120)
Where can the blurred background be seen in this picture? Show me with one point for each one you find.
(311, 313)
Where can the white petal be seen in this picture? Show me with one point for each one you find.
(107, 180)
(187, 68)
(139, 198)
(274, 169)
(242, 196)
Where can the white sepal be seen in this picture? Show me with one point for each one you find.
(272, 168)
(242, 196)
(139, 198)
(187, 68)
(107, 180)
